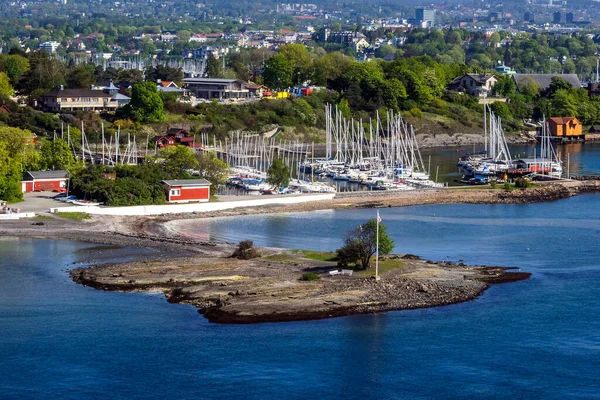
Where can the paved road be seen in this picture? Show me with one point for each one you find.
(39, 202)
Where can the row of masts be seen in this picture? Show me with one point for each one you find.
(384, 145)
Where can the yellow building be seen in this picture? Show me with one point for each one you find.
(565, 126)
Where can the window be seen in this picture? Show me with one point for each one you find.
(175, 192)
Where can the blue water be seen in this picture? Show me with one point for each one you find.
(538, 338)
(577, 158)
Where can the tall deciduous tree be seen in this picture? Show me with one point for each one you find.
(278, 72)
(14, 66)
(56, 155)
(177, 160)
(146, 104)
(17, 153)
(6, 89)
(212, 169)
(81, 76)
(361, 243)
(214, 67)
(278, 174)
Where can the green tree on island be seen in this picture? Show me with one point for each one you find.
(278, 174)
(361, 243)
(146, 104)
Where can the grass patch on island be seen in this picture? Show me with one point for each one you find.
(43, 217)
(281, 257)
(74, 215)
(384, 266)
(296, 255)
(317, 255)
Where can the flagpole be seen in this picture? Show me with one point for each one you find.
(377, 249)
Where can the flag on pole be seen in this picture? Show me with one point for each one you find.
(378, 217)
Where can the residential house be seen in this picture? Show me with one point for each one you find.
(473, 84)
(77, 100)
(49, 47)
(173, 137)
(169, 87)
(504, 70)
(565, 126)
(256, 90)
(214, 88)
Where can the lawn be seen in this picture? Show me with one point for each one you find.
(74, 215)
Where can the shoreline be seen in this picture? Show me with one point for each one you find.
(226, 290)
(231, 291)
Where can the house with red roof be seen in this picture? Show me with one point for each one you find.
(173, 137)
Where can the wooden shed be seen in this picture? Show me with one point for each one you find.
(37, 181)
(565, 126)
(187, 190)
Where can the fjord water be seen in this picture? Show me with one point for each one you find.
(538, 338)
(577, 158)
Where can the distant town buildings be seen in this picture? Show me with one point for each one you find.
(425, 17)
(49, 47)
(556, 17)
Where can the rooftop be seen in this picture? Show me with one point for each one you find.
(76, 93)
(48, 174)
(187, 182)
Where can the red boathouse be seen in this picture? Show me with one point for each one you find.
(37, 181)
(187, 190)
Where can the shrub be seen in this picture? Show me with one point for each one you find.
(522, 183)
(416, 112)
(508, 187)
(493, 184)
(310, 276)
(246, 251)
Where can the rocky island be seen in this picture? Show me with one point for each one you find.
(271, 288)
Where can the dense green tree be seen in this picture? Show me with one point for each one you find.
(17, 153)
(146, 104)
(563, 104)
(360, 244)
(557, 83)
(11, 173)
(278, 72)
(298, 57)
(176, 161)
(214, 67)
(278, 174)
(501, 110)
(505, 86)
(212, 169)
(14, 66)
(164, 73)
(55, 155)
(81, 76)
(6, 89)
(45, 74)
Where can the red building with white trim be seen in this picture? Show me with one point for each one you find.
(187, 190)
(37, 181)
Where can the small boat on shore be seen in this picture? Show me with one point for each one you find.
(85, 203)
